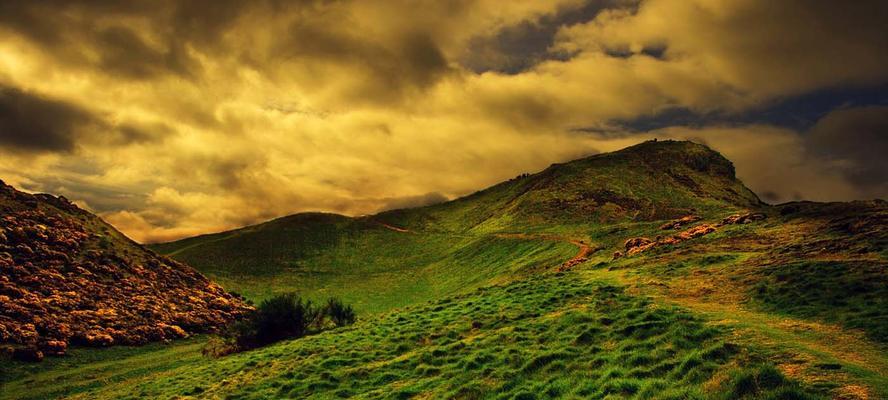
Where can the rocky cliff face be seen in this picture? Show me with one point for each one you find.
(68, 277)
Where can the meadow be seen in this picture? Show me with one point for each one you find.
(552, 336)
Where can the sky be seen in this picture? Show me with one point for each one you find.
(174, 118)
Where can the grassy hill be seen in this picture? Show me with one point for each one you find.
(400, 257)
(646, 182)
(557, 336)
(581, 281)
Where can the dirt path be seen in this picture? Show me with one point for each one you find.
(582, 254)
(392, 227)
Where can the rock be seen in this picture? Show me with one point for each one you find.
(60, 280)
(98, 338)
(27, 354)
(618, 254)
(54, 347)
(572, 263)
(680, 222)
(695, 232)
(173, 331)
(637, 242)
(744, 218)
(640, 244)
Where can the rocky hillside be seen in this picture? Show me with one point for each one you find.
(68, 277)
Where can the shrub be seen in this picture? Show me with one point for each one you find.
(341, 314)
(286, 316)
(282, 317)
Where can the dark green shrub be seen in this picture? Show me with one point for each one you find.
(282, 317)
(341, 314)
(286, 316)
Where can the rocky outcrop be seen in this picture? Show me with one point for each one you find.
(743, 218)
(640, 244)
(67, 277)
(678, 223)
(695, 232)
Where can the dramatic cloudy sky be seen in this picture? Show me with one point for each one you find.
(172, 118)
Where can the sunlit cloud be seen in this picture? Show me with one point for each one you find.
(176, 118)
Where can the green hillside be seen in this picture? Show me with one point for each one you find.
(587, 280)
(557, 336)
(649, 181)
(400, 257)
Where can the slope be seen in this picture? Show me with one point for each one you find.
(504, 295)
(67, 276)
(552, 337)
(654, 180)
(396, 258)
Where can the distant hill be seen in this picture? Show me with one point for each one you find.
(399, 257)
(68, 277)
(654, 180)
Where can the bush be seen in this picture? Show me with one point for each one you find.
(286, 316)
(341, 314)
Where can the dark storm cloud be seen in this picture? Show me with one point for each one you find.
(74, 31)
(31, 123)
(391, 67)
(855, 141)
(796, 112)
(123, 53)
(518, 47)
(92, 34)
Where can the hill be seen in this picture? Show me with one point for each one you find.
(68, 277)
(399, 257)
(654, 180)
(649, 273)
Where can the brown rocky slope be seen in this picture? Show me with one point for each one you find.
(66, 276)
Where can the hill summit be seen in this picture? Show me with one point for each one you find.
(67, 276)
(654, 180)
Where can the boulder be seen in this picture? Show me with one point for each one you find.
(696, 232)
(97, 338)
(54, 347)
(637, 242)
(743, 218)
(680, 222)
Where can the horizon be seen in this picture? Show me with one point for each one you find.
(178, 118)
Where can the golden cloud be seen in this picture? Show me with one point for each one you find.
(174, 118)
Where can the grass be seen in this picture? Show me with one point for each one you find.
(461, 305)
(554, 336)
(86, 369)
(780, 285)
(454, 246)
(373, 268)
(854, 294)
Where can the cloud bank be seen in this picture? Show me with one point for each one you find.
(173, 118)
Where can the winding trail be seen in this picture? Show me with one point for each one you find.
(394, 228)
(582, 254)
